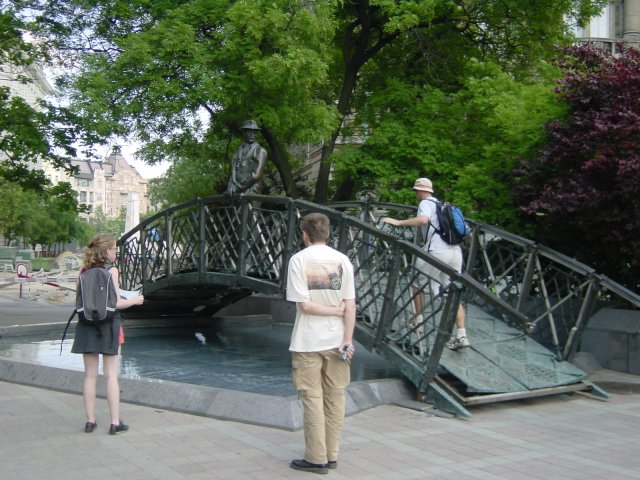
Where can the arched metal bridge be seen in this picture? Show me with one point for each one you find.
(527, 306)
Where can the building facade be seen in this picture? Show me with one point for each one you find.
(618, 22)
(36, 88)
(108, 185)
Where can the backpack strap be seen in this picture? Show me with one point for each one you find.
(107, 267)
(438, 207)
(438, 204)
(64, 334)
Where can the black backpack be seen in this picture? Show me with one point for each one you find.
(96, 298)
(453, 227)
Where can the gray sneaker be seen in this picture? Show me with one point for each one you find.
(458, 343)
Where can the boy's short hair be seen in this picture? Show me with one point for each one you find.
(316, 225)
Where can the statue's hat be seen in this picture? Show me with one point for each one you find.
(250, 125)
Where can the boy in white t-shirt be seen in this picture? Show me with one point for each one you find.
(320, 281)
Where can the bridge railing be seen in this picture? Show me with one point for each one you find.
(555, 294)
(245, 242)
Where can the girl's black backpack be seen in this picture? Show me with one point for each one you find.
(96, 298)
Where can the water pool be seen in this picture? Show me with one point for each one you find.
(249, 356)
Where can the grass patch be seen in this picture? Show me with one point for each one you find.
(42, 263)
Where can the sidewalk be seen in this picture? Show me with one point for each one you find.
(559, 437)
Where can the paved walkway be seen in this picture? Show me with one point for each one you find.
(560, 437)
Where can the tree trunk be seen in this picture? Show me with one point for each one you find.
(363, 39)
(281, 161)
(344, 102)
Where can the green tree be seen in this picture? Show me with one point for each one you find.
(467, 140)
(44, 217)
(30, 134)
(224, 61)
(101, 224)
(180, 76)
(10, 208)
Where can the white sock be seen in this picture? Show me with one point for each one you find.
(461, 332)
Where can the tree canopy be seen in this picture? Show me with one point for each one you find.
(31, 133)
(387, 90)
(584, 188)
(181, 75)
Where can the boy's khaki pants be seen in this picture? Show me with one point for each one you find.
(320, 379)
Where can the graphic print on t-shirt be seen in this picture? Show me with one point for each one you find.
(324, 275)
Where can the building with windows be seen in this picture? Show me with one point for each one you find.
(108, 185)
(36, 88)
(618, 22)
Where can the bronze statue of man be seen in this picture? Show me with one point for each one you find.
(247, 164)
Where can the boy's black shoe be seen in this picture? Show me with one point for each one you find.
(309, 467)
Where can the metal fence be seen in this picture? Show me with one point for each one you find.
(555, 295)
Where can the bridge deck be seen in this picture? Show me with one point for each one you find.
(502, 359)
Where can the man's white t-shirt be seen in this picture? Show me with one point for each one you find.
(320, 274)
(434, 242)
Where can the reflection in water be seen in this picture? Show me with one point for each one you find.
(246, 356)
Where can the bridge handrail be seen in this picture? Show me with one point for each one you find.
(558, 293)
(629, 295)
(606, 282)
(621, 291)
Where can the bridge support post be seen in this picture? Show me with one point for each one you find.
(292, 217)
(244, 234)
(169, 239)
(445, 327)
(529, 270)
(388, 310)
(586, 310)
(202, 260)
(144, 261)
(472, 254)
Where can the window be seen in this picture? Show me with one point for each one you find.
(599, 26)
